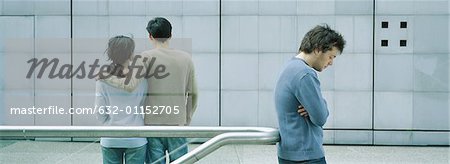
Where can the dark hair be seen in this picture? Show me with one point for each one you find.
(160, 29)
(120, 48)
(321, 38)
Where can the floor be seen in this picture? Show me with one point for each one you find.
(43, 152)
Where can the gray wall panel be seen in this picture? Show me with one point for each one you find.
(431, 138)
(17, 99)
(363, 27)
(269, 68)
(1, 7)
(431, 111)
(207, 113)
(353, 110)
(352, 137)
(84, 99)
(394, 72)
(201, 7)
(329, 96)
(33, 7)
(393, 110)
(282, 7)
(90, 26)
(239, 34)
(53, 99)
(16, 69)
(204, 31)
(354, 7)
(277, 34)
(81, 84)
(267, 116)
(353, 72)
(128, 25)
(436, 7)
(45, 82)
(327, 78)
(305, 23)
(393, 138)
(431, 72)
(346, 26)
(90, 7)
(207, 71)
(431, 29)
(52, 7)
(161, 7)
(18, 7)
(129, 7)
(328, 137)
(394, 7)
(312, 7)
(239, 109)
(234, 7)
(240, 71)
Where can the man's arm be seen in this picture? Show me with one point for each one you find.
(133, 80)
(191, 90)
(308, 93)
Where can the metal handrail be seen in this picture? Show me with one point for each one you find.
(220, 135)
(225, 139)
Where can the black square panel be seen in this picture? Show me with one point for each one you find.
(402, 43)
(384, 43)
(403, 24)
(384, 24)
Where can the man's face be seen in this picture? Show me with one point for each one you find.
(325, 59)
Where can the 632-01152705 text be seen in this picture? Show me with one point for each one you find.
(154, 110)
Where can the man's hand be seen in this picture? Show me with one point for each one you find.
(301, 110)
(96, 78)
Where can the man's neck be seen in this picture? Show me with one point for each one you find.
(161, 44)
(305, 57)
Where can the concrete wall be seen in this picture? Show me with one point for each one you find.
(376, 94)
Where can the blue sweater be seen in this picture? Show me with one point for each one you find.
(301, 138)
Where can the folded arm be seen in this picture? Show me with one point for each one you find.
(308, 93)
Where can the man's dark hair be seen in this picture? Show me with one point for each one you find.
(160, 29)
(321, 38)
